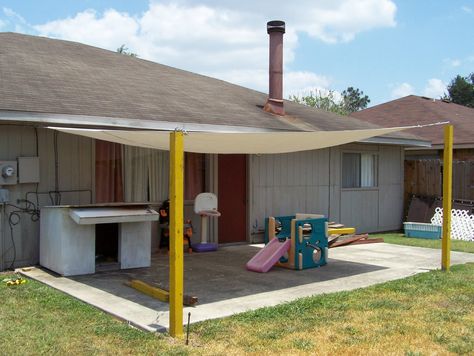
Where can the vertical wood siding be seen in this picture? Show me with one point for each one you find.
(310, 182)
(379, 208)
(75, 158)
(284, 184)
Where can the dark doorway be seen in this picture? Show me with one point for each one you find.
(106, 245)
(232, 198)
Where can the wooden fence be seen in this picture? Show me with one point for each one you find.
(425, 178)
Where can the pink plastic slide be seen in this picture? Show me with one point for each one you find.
(268, 256)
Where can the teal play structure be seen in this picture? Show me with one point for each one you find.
(307, 233)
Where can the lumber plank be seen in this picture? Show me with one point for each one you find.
(161, 294)
(367, 241)
(348, 241)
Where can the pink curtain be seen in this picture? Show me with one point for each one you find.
(108, 172)
(193, 175)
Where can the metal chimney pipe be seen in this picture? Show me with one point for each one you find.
(274, 103)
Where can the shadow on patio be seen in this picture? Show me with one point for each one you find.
(219, 276)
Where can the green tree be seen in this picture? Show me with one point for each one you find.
(354, 100)
(125, 51)
(461, 90)
(318, 99)
(351, 100)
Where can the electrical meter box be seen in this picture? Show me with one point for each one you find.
(28, 170)
(8, 172)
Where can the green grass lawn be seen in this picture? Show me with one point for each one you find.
(400, 239)
(430, 313)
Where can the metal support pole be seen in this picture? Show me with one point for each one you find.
(176, 233)
(447, 197)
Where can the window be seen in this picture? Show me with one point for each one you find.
(359, 170)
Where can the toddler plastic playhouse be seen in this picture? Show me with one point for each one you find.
(296, 242)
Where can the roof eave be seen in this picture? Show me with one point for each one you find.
(440, 146)
(398, 141)
(100, 122)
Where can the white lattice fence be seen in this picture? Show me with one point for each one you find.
(462, 223)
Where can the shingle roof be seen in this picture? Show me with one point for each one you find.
(44, 75)
(413, 110)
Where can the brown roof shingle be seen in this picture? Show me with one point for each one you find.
(44, 75)
(414, 110)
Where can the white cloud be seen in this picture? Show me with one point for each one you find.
(2, 24)
(402, 90)
(225, 39)
(301, 83)
(466, 9)
(327, 20)
(19, 22)
(12, 14)
(109, 30)
(435, 88)
(453, 62)
(343, 20)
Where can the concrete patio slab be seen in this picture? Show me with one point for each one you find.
(224, 287)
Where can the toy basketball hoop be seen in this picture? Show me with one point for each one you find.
(205, 205)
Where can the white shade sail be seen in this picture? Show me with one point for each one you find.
(236, 142)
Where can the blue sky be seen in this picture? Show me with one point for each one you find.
(387, 48)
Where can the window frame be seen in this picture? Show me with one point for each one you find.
(376, 170)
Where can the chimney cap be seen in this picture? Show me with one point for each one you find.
(276, 26)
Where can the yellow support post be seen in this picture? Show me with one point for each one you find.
(447, 197)
(176, 233)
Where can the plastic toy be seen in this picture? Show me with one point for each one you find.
(164, 211)
(14, 281)
(205, 204)
(294, 242)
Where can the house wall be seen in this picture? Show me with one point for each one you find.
(75, 167)
(278, 185)
(310, 182)
(76, 170)
(379, 208)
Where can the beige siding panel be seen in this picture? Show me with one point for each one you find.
(316, 199)
(391, 188)
(15, 142)
(75, 172)
(359, 208)
(334, 156)
(391, 208)
(73, 151)
(389, 165)
(378, 209)
(285, 184)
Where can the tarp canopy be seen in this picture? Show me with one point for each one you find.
(236, 142)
